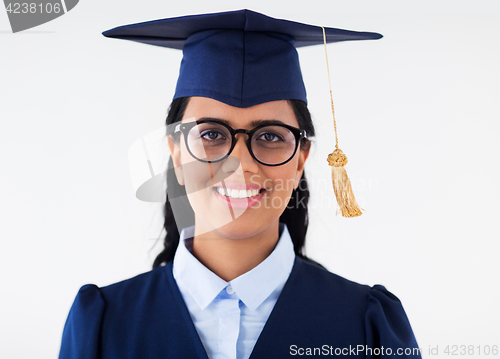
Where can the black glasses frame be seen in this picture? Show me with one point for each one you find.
(186, 127)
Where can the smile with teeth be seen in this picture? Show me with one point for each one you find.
(235, 193)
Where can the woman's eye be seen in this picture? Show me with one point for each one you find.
(212, 135)
(269, 137)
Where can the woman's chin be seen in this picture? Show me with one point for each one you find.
(239, 224)
(236, 231)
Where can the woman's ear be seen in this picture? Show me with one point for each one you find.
(175, 152)
(303, 154)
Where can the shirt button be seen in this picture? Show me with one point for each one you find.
(229, 289)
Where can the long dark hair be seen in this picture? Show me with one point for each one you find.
(295, 214)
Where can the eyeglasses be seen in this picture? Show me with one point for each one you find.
(211, 141)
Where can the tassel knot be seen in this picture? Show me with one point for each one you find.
(337, 158)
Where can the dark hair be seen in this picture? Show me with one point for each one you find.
(294, 216)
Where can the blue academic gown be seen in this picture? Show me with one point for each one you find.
(317, 312)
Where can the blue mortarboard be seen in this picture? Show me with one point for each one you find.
(241, 58)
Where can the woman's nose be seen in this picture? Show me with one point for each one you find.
(241, 152)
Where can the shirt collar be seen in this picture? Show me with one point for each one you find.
(252, 287)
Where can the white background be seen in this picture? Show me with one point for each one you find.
(418, 117)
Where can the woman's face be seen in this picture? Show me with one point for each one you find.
(230, 217)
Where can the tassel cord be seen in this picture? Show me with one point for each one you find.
(337, 159)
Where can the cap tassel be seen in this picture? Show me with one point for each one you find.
(342, 185)
(337, 159)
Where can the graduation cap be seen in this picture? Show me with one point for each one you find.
(244, 58)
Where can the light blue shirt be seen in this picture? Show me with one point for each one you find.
(229, 316)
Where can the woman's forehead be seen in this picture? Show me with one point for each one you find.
(239, 117)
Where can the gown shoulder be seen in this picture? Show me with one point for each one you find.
(82, 329)
(80, 337)
(379, 311)
(387, 325)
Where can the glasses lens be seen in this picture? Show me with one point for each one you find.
(273, 144)
(209, 141)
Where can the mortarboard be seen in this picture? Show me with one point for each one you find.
(241, 58)
(244, 58)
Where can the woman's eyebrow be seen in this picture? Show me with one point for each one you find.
(254, 123)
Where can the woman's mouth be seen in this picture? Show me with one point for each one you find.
(236, 198)
(235, 193)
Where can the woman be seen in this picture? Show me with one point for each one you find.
(232, 281)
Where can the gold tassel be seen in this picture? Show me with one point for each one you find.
(337, 159)
(342, 185)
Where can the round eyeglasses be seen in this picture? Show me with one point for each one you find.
(269, 144)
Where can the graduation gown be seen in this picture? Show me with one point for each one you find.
(317, 313)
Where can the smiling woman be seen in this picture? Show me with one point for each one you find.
(232, 280)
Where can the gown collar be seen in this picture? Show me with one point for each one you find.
(252, 287)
